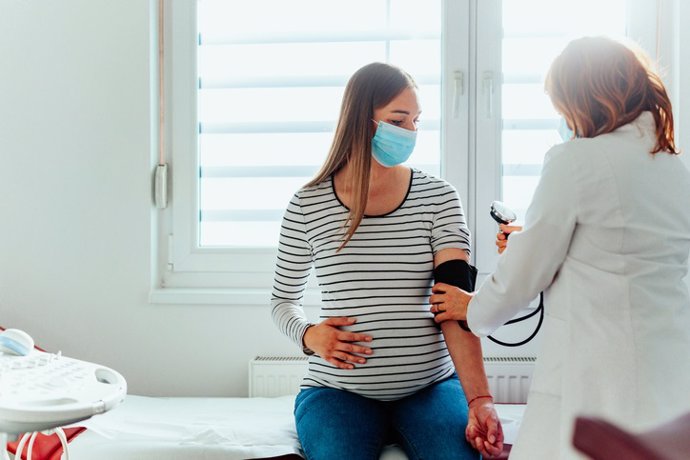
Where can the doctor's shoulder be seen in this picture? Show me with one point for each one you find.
(568, 157)
(579, 146)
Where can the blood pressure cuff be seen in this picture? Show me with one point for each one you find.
(457, 273)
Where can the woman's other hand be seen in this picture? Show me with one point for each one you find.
(449, 302)
(484, 430)
(502, 236)
(336, 346)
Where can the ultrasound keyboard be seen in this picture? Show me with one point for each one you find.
(42, 390)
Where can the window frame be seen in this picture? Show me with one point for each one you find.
(487, 129)
(185, 273)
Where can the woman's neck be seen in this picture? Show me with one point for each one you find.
(379, 176)
(387, 187)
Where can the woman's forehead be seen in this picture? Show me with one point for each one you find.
(405, 103)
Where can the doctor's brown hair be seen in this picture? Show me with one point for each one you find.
(371, 87)
(599, 84)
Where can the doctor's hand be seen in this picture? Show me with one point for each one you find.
(502, 236)
(484, 431)
(336, 346)
(449, 302)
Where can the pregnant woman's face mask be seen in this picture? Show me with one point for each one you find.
(392, 145)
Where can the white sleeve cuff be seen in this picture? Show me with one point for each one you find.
(478, 321)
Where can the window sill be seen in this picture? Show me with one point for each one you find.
(222, 296)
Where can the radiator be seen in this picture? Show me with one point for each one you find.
(509, 378)
(269, 376)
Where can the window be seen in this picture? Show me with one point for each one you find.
(254, 91)
(516, 122)
(268, 99)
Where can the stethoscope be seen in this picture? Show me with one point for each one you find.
(503, 215)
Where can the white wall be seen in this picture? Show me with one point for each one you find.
(75, 205)
(76, 220)
(682, 72)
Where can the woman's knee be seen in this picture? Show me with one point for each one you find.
(335, 424)
(432, 424)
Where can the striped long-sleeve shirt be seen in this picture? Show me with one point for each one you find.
(382, 277)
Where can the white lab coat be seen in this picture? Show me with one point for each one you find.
(607, 238)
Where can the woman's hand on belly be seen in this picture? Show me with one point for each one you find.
(336, 346)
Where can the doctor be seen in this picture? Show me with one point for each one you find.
(607, 238)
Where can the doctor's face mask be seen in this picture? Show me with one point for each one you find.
(564, 130)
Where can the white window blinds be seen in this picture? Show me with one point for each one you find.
(529, 45)
(271, 76)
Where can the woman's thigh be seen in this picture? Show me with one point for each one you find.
(431, 423)
(335, 424)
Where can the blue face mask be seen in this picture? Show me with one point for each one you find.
(565, 132)
(392, 145)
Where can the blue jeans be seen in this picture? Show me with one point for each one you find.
(430, 424)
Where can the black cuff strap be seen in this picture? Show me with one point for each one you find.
(457, 273)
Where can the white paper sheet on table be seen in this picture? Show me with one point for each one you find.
(146, 428)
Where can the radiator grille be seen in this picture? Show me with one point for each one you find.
(269, 376)
(509, 377)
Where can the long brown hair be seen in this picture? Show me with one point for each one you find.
(371, 87)
(599, 84)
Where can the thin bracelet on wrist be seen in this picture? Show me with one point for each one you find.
(479, 397)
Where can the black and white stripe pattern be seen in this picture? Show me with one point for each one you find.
(382, 277)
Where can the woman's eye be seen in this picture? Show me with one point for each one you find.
(396, 122)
